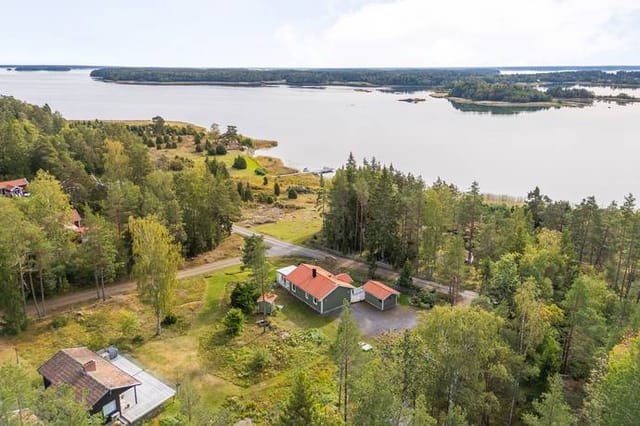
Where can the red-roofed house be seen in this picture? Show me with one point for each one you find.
(319, 289)
(379, 295)
(14, 188)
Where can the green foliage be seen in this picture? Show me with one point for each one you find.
(260, 171)
(551, 409)
(276, 189)
(244, 296)
(479, 90)
(233, 322)
(301, 408)
(292, 194)
(220, 149)
(260, 361)
(239, 163)
(59, 322)
(169, 319)
(129, 324)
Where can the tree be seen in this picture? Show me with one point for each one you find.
(100, 251)
(220, 149)
(470, 215)
(49, 208)
(551, 409)
(345, 351)
(254, 257)
(468, 361)
(450, 268)
(421, 415)
(233, 321)
(156, 258)
(301, 406)
(585, 307)
(276, 189)
(158, 125)
(16, 394)
(375, 397)
(503, 281)
(58, 406)
(405, 280)
(244, 296)
(612, 398)
(239, 163)
(292, 194)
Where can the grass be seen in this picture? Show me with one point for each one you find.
(296, 227)
(194, 349)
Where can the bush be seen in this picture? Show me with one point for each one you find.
(138, 339)
(260, 361)
(198, 147)
(244, 297)
(260, 171)
(423, 299)
(168, 320)
(264, 198)
(221, 149)
(233, 321)
(265, 181)
(276, 189)
(59, 322)
(292, 194)
(128, 324)
(239, 163)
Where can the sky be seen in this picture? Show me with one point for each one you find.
(320, 33)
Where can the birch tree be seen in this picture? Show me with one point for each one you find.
(156, 258)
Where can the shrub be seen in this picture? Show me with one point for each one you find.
(128, 324)
(239, 163)
(138, 339)
(233, 321)
(168, 320)
(276, 189)
(260, 171)
(59, 322)
(176, 165)
(264, 198)
(221, 149)
(292, 194)
(423, 299)
(265, 181)
(260, 361)
(198, 147)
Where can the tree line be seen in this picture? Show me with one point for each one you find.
(105, 172)
(558, 286)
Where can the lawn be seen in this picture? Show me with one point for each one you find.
(195, 350)
(298, 224)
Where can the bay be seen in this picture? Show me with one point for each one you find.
(569, 152)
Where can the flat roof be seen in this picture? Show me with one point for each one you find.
(151, 392)
(287, 270)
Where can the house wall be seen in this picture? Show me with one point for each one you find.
(391, 301)
(262, 305)
(110, 396)
(334, 300)
(374, 301)
(308, 299)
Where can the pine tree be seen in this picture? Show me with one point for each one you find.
(301, 407)
(551, 409)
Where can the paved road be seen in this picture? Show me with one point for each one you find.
(277, 248)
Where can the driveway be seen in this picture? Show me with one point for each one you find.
(374, 322)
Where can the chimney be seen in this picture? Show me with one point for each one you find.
(89, 366)
(314, 273)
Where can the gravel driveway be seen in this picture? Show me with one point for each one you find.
(374, 322)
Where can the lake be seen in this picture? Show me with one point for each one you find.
(569, 152)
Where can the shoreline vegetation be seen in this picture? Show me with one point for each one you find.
(483, 88)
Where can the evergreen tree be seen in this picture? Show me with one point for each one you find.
(551, 409)
(301, 406)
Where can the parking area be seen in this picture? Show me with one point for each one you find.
(374, 322)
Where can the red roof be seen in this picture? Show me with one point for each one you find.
(344, 277)
(268, 297)
(379, 290)
(10, 184)
(76, 216)
(86, 372)
(320, 286)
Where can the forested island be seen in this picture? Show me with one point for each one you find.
(549, 332)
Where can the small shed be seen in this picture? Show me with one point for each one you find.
(379, 295)
(267, 304)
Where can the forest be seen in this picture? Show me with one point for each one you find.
(479, 90)
(425, 78)
(106, 172)
(558, 287)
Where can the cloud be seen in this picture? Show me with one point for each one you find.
(471, 33)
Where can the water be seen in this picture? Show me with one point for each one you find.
(569, 152)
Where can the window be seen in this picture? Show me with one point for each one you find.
(109, 408)
(293, 288)
(306, 295)
(315, 301)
